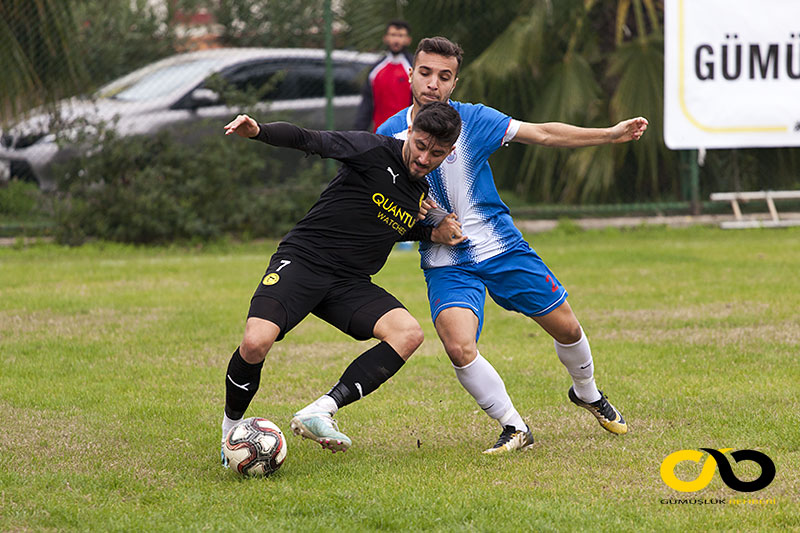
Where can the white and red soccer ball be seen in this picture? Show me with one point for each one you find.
(255, 447)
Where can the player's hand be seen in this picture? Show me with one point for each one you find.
(427, 204)
(243, 126)
(629, 130)
(448, 231)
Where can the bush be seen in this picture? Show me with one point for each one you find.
(158, 190)
(19, 199)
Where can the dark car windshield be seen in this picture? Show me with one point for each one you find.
(161, 82)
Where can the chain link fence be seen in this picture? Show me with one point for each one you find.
(136, 68)
(82, 73)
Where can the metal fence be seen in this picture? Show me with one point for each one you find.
(161, 69)
(139, 66)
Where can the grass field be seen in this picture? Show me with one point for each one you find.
(111, 386)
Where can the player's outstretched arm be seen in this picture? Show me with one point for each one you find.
(285, 135)
(242, 125)
(558, 134)
(629, 130)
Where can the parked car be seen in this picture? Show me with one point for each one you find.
(178, 93)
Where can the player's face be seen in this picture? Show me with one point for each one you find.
(396, 39)
(433, 78)
(422, 153)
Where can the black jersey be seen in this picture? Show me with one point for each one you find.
(370, 205)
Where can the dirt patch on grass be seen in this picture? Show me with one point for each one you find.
(39, 438)
(696, 312)
(93, 324)
(320, 355)
(787, 332)
(719, 324)
(71, 443)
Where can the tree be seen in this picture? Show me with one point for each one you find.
(52, 49)
(273, 23)
(39, 59)
(582, 62)
(471, 23)
(140, 33)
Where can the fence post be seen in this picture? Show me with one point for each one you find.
(328, 17)
(690, 177)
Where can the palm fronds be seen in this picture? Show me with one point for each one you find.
(37, 40)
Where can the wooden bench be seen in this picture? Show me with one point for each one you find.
(769, 196)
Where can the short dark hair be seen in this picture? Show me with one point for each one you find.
(440, 46)
(440, 120)
(397, 23)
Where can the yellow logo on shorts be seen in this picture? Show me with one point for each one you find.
(271, 279)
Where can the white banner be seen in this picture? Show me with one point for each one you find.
(731, 73)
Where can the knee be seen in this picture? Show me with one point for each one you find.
(410, 337)
(405, 338)
(254, 347)
(461, 351)
(570, 334)
(416, 336)
(400, 330)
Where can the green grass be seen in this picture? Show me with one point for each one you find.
(111, 387)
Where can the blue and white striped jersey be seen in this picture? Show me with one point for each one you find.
(464, 185)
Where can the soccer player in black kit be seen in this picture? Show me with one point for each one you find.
(324, 264)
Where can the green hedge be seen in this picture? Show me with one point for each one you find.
(158, 190)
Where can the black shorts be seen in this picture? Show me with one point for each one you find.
(292, 288)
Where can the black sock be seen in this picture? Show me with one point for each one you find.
(241, 384)
(368, 372)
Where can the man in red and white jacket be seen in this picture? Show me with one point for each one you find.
(387, 89)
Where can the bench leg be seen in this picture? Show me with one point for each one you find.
(772, 211)
(736, 211)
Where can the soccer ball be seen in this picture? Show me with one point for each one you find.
(255, 447)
